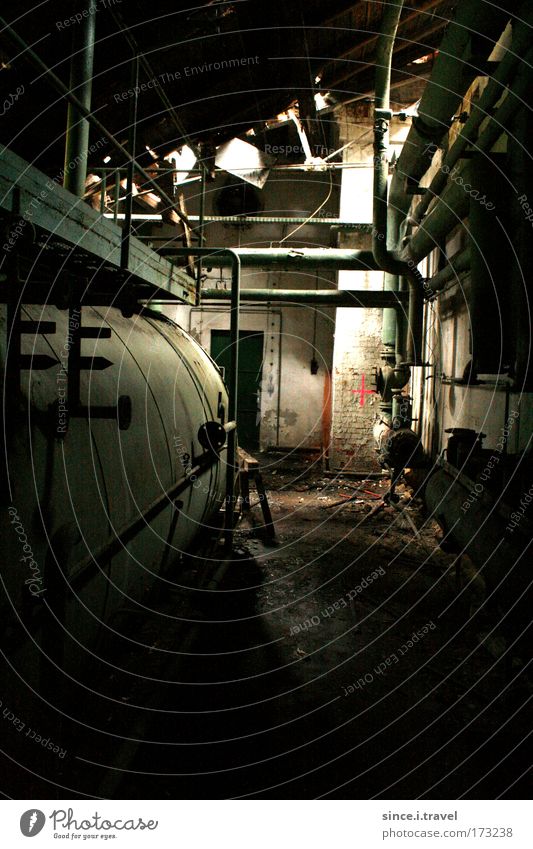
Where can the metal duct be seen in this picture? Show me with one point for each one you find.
(290, 259)
(520, 174)
(81, 72)
(514, 59)
(490, 262)
(455, 265)
(452, 205)
(469, 40)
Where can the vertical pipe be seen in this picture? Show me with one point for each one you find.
(201, 236)
(401, 322)
(132, 142)
(414, 325)
(81, 72)
(233, 386)
(383, 256)
(389, 327)
(383, 61)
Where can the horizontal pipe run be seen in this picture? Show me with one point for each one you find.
(285, 259)
(247, 219)
(363, 299)
(266, 219)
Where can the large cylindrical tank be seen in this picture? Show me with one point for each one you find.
(91, 510)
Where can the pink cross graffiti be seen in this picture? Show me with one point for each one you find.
(362, 392)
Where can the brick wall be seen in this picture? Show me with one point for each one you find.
(356, 353)
(357, 346)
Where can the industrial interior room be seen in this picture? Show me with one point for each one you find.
(266, 346)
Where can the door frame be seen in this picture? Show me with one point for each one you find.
(202, 320)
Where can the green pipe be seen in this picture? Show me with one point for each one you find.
(384, 49)
(81, 72)
(132, 142)
(363, 299)
(451, 76)
(334, 223)
(451, 208)
(284, 259)
(201, 234)
(401, 324)
(385, 258)
(103, 187)
(116, 196)
(389, 328)
(481, 109)
(455, 265)
(453, 204)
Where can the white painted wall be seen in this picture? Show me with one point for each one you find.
(292, 397)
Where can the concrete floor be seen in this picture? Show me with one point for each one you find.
(301, 677)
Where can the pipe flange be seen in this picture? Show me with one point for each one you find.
(212, 436)
(430, 134)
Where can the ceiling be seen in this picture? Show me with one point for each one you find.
(222, 68)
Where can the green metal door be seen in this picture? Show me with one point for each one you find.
(250, 373)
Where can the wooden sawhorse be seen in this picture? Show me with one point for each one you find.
(249, 471)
